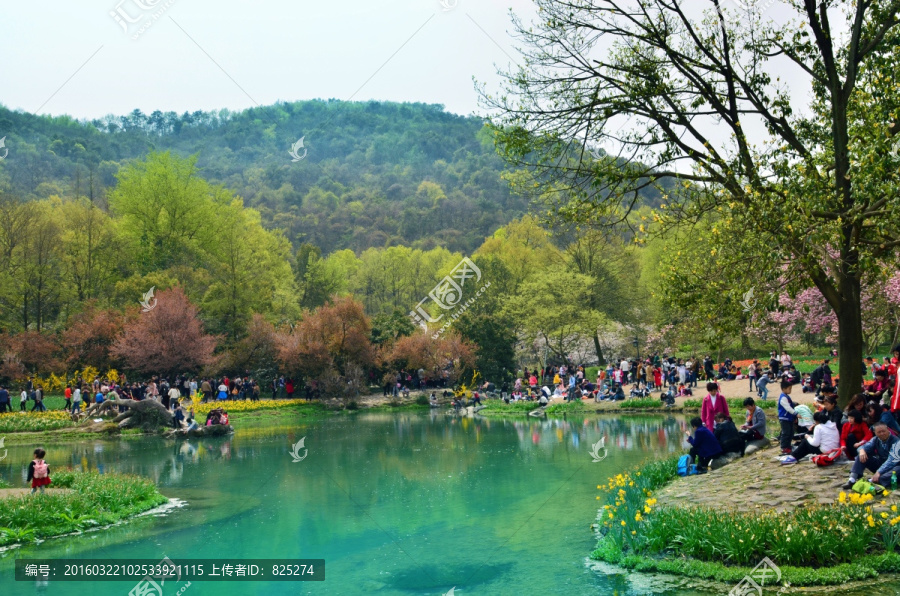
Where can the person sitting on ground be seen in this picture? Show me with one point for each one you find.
(224, 418)
(727, 434)
(873, 455)
(858, 403)
(668, 397)
(805, 421)
(875, 413)
(830, 407)
(877, 388)
(684, 391)
(704, 446)
(854, 434)
(178, 416)
(754, 428)
(825, 437)
(890, 467)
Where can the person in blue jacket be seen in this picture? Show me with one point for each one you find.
(704, 446)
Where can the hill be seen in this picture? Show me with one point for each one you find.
(372, 174)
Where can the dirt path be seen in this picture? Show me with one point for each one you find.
(6, 493)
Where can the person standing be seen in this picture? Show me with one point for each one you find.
(23, 399)
(751, 374)
(713, 403)
(172, 399)
(76, 399)
(68, 395)
(786, 416)
(38, 471)
(39, 400)
(206, 390)
(4, 400)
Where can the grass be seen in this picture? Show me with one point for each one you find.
(815, 545)
(95, 500)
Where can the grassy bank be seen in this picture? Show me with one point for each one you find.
(812, 545)
(94, 500)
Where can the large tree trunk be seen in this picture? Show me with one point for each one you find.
(850, 341)
(600, 359)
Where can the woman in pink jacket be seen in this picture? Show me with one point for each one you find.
(713, 403)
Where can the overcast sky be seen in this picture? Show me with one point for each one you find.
(76, 58)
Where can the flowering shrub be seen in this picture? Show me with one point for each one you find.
(34, 421)
(631, 523)
(248, 406)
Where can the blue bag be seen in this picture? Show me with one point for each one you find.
(684, 466)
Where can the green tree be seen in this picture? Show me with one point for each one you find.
(495, 341)
(698, 98)
(552, 310)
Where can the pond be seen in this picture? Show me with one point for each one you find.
(396, 504)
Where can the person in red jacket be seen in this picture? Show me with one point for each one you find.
(854, 434)
(713, 403)
(895, 400)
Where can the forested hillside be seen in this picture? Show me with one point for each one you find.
(375, 174)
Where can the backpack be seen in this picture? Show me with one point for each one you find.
(40, 469)
(864, 487)
(827, 458)
(684, 466)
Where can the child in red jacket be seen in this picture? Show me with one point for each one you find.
(854, 434)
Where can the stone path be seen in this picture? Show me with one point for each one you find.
(759, 481)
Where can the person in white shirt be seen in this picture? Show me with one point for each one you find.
(76, 400)
(22, 399)
(824, 438)
(174, 394)
(785, 360)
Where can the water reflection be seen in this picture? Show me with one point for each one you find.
(397, 503)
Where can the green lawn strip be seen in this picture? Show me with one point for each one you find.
(95, 500)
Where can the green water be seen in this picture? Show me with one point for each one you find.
(396, 504)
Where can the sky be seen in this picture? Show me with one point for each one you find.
(91, 58)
